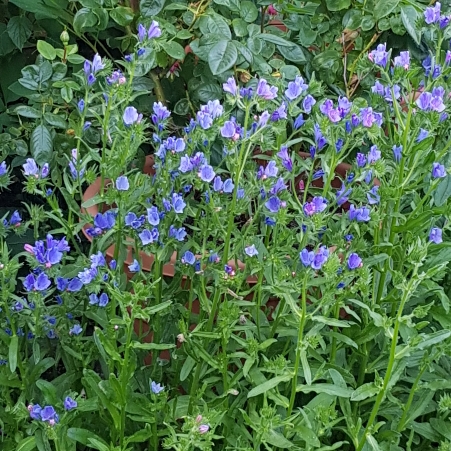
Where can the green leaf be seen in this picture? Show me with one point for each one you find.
(365, 391)
(83, 435)
(248, 11)
(330, 389)
(215, 24)
(209, 91)
(222, 56)
(42, 442)
(276, 439)
(307, 36)
(27, 444)
(307, 435)
(28, 111)
(19, 30)
(75, 59)
(368, 23)
(55, 120)
(267, 385)
(274, 39)
(151, 8)
(12, 353)
(84, 19)
(141, 436)
(6, 45)
(410, 16)
(122, 15)
(187, 367)
(44, 9)
(337, 5)
(239, 27)
(46, 50)
(383, 8)
(174, 49)
(181, 107)
(293, 53)
(41, 145)
(152, 346)
(443, 191)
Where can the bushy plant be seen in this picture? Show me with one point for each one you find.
(275, 278)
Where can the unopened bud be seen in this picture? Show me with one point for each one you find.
(198, 418)
(181, 338)
(64, 38)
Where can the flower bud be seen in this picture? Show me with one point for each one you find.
(64, 37)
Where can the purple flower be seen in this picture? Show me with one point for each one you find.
(39, 283)
(295, 88)
(317, 205)
(69, 403)
(178, 234)
(74, 285)
(378, 88)
(228, 186)
(435, 235)
(206, 173)
(135, 266)
(373, 197)
(246, 93)
(444, 21)
(320, 258)
(228, 130)
(149, 236)
(307, 103)
(160, 113)
(263, 119)
(204, 120)
(354, 261)
(35, 411)
(31, 168)
(154, 30)
(279, 113)
(76, 330)
(204, 428)
(103, 298)
(122, 183)
(390, 93)
(48, 413)
(153, 216)
(287, 162)
(422, 135)
(339, 144)
(87, 275)
(379, 56)
(320, 140)
(326, 106)
(334, 115)
(188, 258)
(397, 153)
(359, 214)
(343, 195)
(448, 57)
(131, 116)
(432, 14)
(403, 60)
(374, 155)
(277, 187)
(213, 108)
(251, 251)
(131, 220)
(438, 170)
(15, 219)
(185, 165)
(230, 87)
(271, 170)
(423, 102)
(437, 104)
(81, 105)
(266, 91)
(273, 204)
(142, 32)
(299, 122)
(156, 388)
(178, 203)
(368, 176)
(368, 118)
(344, 106)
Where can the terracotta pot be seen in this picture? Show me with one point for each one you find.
(146, 259)
(278, 24)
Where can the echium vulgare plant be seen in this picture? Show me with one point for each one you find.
(278, 299)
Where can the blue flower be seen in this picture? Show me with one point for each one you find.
(188, 258)
(287, 162)
(230, 87)
(156, 388)
(178, 203)
(69, 403)
(76, 330)
(343, 195)
(81, 105)
(178, 234)
(134, 267)
(271, 170)
(87, 275)
(266, 91)
(131, 220)
(31, 168)
(122, 183)
(317, 205)
(295, 88)
(438, 171)
(308, 103)
(228, 130)
(160, 113)
(299, 122)
(206, 173)
(131, 116)
(273, 204)
(251, 251)
(361, 160)
(422, 135)
(373, 197)
(374, 154)
(39, 283)
(397, 153)
(379, 56)
(354, 261)
(154, 30)
(314, 259)
(75, 285)
(148, 237)
(359, 214)
(435, 235)
(153, 216)
(3, 168)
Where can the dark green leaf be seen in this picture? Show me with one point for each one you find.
(55, 120)
(267, 385)
(187, 367)
(41, 144)
(364, 391)
(151, 8)
(248, 11)
(383, 8)
(19, 30)
(307, 435)
(337, 5)
(181, 107)
(27, 444)
(174, 49)
(84, 19)
(222, 56)
(122, 15)
(239, 27)
(82, 436)
(6, 45)
(410, 16)
(277, 439)
(443, 191)
(330, 389)
(210, 91)
(368, 23)
(27, 111)
(215, 24)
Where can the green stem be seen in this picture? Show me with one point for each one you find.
(259, 285)
(333, 352)
(299, 345)
(391, 363)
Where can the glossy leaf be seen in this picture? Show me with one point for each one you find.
(222, 56)
(122, 15)
(174, 49)
(410, 16)
(19, 30)
(150, 8)
(41, 144)
(46, 50)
